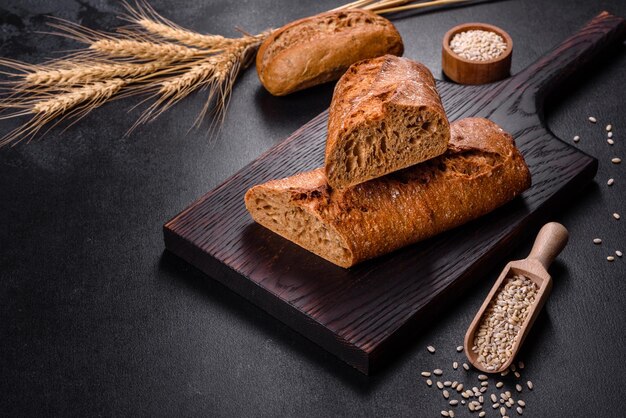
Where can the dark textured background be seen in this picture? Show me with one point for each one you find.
(96, 319)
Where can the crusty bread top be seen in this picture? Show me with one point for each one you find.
(362, 92)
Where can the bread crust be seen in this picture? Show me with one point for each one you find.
(385, 115)
(320, 48)
(481, 170)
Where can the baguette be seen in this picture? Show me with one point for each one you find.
(480, 171)
(320, 48)
(385, 115)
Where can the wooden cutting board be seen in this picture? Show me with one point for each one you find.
(366, 313)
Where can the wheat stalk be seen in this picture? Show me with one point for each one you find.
(152, 56)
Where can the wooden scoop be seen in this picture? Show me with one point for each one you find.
(550, 241)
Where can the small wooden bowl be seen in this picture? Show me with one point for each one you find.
(464, 71)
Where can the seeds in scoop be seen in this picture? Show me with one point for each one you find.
(440, 385)
(499, 385)
(608, 128)
(521, 403)
(592, 119)
(500, 324)
(429, 382)
(610, 258)
(618, 253)
(455, 365)
(518, 387)
(610, 141)
(454, 402)
(576, 138)
(530, 385)
(616, 215)
(465, 366)
(616, 160)
(437, 372)
(520, 410)
(597, 241)
(478, 45)
(426, 374)
(431, 349)
(610, 182)
(459, 349)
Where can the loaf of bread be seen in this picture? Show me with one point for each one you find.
(320, 48)
(480, 171)
(385, 115)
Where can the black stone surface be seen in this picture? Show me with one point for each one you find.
(97, 320)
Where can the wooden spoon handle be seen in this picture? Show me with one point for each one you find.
(550, 241)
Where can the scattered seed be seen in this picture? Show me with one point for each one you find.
(470, 406)
(504, 373)
(618, 253)
(451, 412)
(454, 402)
(616, 215)
(608, 128)
(616, 160)
(483, 389)
(431, 349)
(465, 366)
(426, 374)
(429, 382)
(520, 410)
(459, 349)
(454, 384)
(502, 411)
(440, 385)
(446, 394)
(483, 377)
(518, 375)
(597, 241)
(509, 403)
(482, 414)
(530, 385)
(610, 141)
(459, 388)
(576, 138)
(521, 403)
(447, 383)
(438, 372)
(499, 385)
(495, 405)
(481, 399)
(592, 119)
(462, 401)
(513, 368)
(610, 258)
(455, 365)
(518, 387)
(494, 398)
(445, 414)
(520, 365)
(483, 384)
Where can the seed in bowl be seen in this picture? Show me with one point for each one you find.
(478, 45)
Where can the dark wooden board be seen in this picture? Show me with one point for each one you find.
(366, 313)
